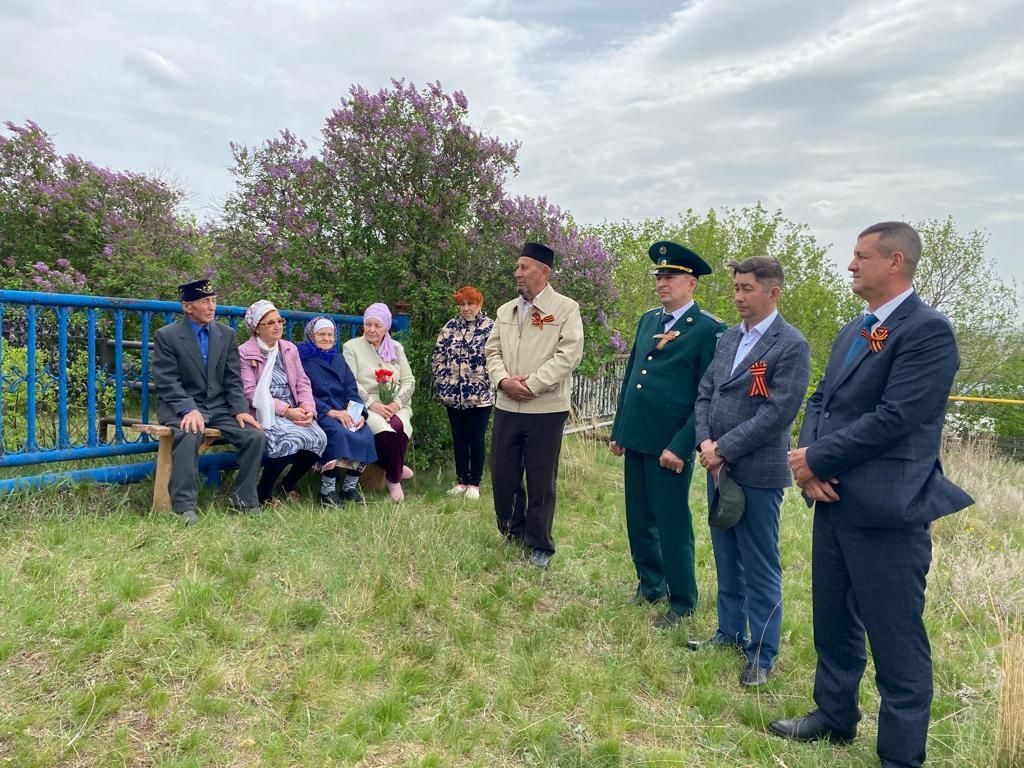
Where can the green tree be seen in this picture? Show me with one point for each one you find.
(815, 299)
(957, 278)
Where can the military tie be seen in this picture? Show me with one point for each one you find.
(860, 340)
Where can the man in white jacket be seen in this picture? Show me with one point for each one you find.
(536, 344)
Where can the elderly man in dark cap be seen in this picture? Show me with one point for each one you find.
(198, 385)
(654, 429)
(536, 344)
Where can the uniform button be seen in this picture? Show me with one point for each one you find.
(827, 414)
(639, 386)
(643, 372)
(650, 357)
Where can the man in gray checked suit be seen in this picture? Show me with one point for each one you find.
(198, 385)
(747, 401)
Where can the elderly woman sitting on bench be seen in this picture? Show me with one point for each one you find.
(279, 394)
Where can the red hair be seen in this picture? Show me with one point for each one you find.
(470, 294)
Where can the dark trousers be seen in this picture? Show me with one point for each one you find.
(750, 577)
(529, 443)
(660, 531)
(301, 463)
(469, 426)
(184, 483)
(391, 450)
(873, 580)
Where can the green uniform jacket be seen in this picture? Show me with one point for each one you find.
(655, 409)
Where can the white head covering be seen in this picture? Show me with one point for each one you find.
(256, 311)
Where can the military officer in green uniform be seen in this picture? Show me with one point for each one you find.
(654, 428)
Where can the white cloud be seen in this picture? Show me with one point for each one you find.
(840, 114)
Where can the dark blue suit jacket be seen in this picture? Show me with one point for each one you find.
(876, 424)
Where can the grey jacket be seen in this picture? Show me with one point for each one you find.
(184, 383)
(752, 430)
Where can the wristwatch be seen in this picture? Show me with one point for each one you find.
(718, 453)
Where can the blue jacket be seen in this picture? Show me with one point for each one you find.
(876, 424)
(333, 383)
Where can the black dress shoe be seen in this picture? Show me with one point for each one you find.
(810, 728)
(668, 620)
(353, 494)
(754, 675)
(540, 559)
(639, 598)
(331, 499)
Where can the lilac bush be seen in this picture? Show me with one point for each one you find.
(68, 225)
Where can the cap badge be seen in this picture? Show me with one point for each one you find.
(662, 250)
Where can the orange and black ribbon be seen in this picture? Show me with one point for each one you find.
(665, 338)
(537, 320)
(757, 385)
(877, 337)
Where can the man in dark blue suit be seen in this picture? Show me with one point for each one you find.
(747, 401)
(869, 459)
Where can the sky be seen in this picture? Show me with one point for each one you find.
(840, 114)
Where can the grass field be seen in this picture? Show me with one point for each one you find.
(407, 635)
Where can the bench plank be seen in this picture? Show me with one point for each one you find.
(165, 435)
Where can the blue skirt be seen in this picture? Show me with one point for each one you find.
(342, 443)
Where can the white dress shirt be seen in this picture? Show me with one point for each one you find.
(525, 306)
(751, 336)
(883, 312)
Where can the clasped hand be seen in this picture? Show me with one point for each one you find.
(515, 387)
(813, 487)
(299, 415)
(386, 411)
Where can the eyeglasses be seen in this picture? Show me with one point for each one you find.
(279, 321)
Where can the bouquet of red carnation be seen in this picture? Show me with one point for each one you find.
(386, 385)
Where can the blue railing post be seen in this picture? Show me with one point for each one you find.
(63, 440)
(30, 380)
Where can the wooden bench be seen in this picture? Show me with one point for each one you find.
(161, 495)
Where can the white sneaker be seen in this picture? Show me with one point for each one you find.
(457, 490)
(407, 473)
(395, 491)
(472, 492)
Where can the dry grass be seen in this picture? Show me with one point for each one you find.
(1010, 730)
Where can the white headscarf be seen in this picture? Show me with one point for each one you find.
(262, 400)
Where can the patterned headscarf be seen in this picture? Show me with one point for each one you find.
(381, 313)
(256, 311)
(309, 347)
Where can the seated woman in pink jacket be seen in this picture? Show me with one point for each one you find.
(281, 398)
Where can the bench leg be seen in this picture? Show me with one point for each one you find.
(161, 494)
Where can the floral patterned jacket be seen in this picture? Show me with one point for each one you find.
(459, 365)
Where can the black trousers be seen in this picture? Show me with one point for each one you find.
(530, 444)
(301, 462)
(469, 426)
(872, 580)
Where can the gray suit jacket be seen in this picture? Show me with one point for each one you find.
(753, 431)
(183, 382)
(875, 425)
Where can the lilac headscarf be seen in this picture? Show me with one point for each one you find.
(387, 345)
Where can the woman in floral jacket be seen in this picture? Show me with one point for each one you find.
(460, 376)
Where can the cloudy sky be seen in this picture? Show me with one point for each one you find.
(840, 114)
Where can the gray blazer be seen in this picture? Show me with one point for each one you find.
(753, 431)
(183, 382)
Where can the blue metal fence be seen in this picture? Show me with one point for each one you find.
(74, 367)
